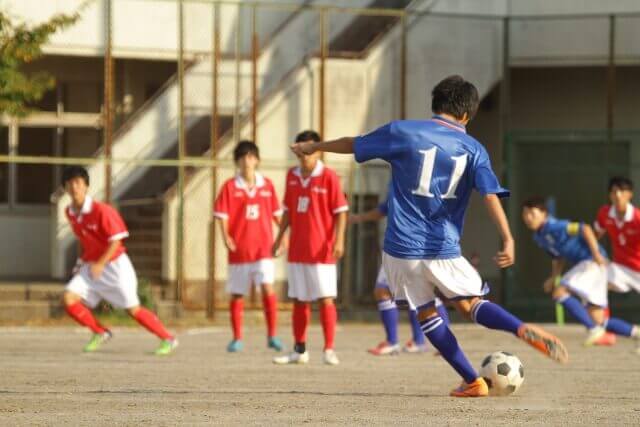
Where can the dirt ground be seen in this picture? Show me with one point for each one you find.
(46, 380)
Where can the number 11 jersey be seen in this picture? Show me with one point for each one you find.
(312, 204)
(435, 166)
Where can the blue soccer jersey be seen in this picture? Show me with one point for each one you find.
(561, 238)
(434, 167)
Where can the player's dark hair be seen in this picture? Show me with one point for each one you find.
(308, 135)
(72, 172)
(621, 182)
(455, 96)
(245, 147)
(535, 202)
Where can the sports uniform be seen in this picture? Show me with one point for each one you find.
(312, 204)
(624, 234)
(586, 279)
(96, 225)
(250, 213)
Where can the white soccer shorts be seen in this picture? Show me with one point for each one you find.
(588, 281)
(623, 279)
(381, 280)
(242, 276)
(118, 284)
(415, 280)
(309, 282)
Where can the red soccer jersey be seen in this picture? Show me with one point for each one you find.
(624, 234)
(96, 226)
(250, 214)
(312, 204)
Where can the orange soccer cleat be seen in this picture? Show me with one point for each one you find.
(477, 388)
(544, 342)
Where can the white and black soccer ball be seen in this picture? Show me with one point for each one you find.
(503, 373)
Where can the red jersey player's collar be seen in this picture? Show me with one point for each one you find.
(450, 124)
(628, 215)
(317, 171)
(241, 183)
(86, 207)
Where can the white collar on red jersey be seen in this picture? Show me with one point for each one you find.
(86, 207)
(628, 215)
(242, 184)
(317, 171)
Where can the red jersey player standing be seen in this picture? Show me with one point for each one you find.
(621, 222)
(245, 208)
(105, 272)
(316, 210)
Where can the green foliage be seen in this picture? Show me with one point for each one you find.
(21, 43)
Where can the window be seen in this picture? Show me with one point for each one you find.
(35, 181)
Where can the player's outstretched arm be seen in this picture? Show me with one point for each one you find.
(373, 215)
(278, 243)
(505, 257)
(341, 145)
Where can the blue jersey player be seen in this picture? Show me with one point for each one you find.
(387, 305)
(576, 244)
(435, 166)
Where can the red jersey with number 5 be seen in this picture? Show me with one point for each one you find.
(312, 204)
(250, 213)
(624, 234)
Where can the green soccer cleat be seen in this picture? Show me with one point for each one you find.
(166, 347)
(275, 343)
(96, 341)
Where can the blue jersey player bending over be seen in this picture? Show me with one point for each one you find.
(576, 244)
(435, 166)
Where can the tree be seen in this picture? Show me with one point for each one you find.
(21, 44)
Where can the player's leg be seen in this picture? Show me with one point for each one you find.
(458, 281)
(238, 285)
(236, 313)
(118, 285)
(323, 282)
(78, 299)
(389, 317)
(265, 275)
(300, 317)
(441, 337)
(418, 343)
(613, 324)
(412, 279)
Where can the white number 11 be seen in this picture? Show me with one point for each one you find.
(428, 162)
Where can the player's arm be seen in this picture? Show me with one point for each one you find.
(342, 145)
(506, 256)
(98, 266)
(592, 241)
(341, 227)
(557, 267)
(373, 215)
(223, 225)
(278, 244)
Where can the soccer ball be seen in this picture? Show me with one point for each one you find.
(503, 373)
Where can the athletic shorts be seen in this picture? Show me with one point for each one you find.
(383, 283)
(416, 280)
(118, 284)
(309, 282)
(623, 279)
(587, 280)
(242, 276)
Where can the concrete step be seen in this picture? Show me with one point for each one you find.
(144, 250)
(31, 291)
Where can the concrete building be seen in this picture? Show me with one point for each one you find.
(561, 81)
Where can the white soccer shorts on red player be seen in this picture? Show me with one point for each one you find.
(588, 280)
(118, 284)
(415, 280)
(309, 282)
(623, 279)
(242, 276)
